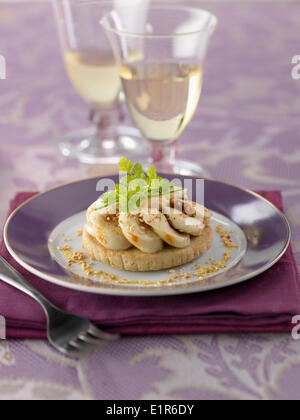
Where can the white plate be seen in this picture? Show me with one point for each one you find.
(65, 234)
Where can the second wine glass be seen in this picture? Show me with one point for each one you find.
(92, 69)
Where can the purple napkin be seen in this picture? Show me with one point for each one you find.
(264, 304)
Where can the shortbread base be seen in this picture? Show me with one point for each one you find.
(135, 260)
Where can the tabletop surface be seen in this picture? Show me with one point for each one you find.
(246, 132)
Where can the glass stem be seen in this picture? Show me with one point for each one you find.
(162, 156)
(106, 120)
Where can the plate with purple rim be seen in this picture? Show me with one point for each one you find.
(37, 232)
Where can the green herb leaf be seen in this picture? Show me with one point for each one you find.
(136, 186)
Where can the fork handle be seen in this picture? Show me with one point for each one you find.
(12, 277)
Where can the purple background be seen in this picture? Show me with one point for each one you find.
(246, 131)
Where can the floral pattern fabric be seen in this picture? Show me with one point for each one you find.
(246, 131)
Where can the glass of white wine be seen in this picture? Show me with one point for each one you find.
(93, 71)
(163, 83)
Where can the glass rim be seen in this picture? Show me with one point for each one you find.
(166, 7)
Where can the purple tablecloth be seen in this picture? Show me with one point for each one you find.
(246, 131)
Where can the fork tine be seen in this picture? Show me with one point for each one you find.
(69, 351)
(78, 345)
(95, 332)
(89, 339)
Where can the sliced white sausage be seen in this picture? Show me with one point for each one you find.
(139, 234)
(159, 223)
(103, 225)
(184, 223)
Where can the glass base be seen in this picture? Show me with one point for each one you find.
(163, 156)
(83, 146)
(180, 167)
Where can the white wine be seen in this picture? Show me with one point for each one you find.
(162, 97)
(95, 76)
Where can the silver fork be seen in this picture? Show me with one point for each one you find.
(69, 334)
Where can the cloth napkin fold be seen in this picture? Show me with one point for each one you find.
(264, 304)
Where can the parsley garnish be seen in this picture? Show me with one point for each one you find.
(136, 186)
